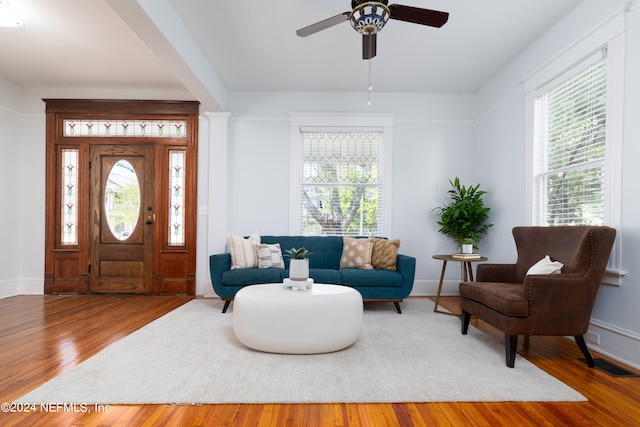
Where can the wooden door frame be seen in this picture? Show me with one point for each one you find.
(67, 266)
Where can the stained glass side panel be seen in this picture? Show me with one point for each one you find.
(176, 197)
(69, 199)
(123, 128)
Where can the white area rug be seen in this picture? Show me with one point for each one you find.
(191, 355)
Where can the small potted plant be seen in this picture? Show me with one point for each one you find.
(464, 219)
(299, 263)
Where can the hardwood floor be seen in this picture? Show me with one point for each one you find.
(43, 336)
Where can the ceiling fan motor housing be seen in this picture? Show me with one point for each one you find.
(369, 17)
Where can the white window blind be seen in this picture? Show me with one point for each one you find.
(340, 184)
(569, 149)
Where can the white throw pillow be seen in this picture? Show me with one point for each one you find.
(270, 256)
(244, 252)
(545, 266)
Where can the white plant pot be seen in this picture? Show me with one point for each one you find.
(299, 269)
(467, 248)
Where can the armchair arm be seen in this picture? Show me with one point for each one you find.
(559, 304)
(505, 273)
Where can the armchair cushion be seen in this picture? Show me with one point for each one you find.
(507, 298)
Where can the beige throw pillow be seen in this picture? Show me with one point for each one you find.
(244, 252)
(384, 255)
(356, 253)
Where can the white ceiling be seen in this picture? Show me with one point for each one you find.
(251, 45)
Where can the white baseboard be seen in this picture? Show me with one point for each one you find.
(9, 288)
(423, 288)
(13, 287)
(619, 344)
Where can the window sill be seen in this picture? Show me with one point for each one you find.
(613, 277)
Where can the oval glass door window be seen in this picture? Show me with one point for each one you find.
(122, 199)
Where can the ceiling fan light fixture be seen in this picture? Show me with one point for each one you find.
(369, 17)
(8, 17)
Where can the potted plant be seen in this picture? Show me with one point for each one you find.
(464, 219)
(298, 264)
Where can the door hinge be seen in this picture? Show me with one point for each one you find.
(89, 269)
(89, 164)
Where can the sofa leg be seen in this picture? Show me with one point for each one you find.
(397, 304)
(226, 305)
(510, 347)
(465, 318)
(585, 350)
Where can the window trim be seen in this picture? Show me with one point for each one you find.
(340, 122)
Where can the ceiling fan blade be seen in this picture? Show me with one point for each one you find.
(369, 42)
(323, 25)
(416, 15)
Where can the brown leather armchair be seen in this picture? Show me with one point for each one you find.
(504, 296)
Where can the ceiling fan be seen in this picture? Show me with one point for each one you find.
(368, 18)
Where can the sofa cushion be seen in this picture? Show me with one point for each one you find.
(356, 253)
(270, 256)
(244, 252)
(252, 276)
(323, 275)
(384, 254)
(326, 249)
(371, 278)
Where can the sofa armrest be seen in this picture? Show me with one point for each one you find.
(406, 266)
(505, 273)
(218, 264)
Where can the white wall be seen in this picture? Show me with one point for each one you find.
(501, 142)
(12, 190)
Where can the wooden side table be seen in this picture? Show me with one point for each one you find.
(466, 273)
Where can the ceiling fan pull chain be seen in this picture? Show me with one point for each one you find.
(370, 88)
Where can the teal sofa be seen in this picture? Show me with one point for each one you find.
(324, 267)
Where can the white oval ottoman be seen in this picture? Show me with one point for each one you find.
(273, 318)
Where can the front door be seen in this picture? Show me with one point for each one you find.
(122, 219)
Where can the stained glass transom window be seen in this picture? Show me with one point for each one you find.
(176, 197)
(69, 192)
(125, 128)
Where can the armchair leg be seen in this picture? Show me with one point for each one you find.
(585, 351)
(510, 347)
(465, 318)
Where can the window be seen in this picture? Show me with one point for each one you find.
(177, 174)
(575, 139)
(69, 197)
(569, 158)
(340, 191)
(338, 179)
